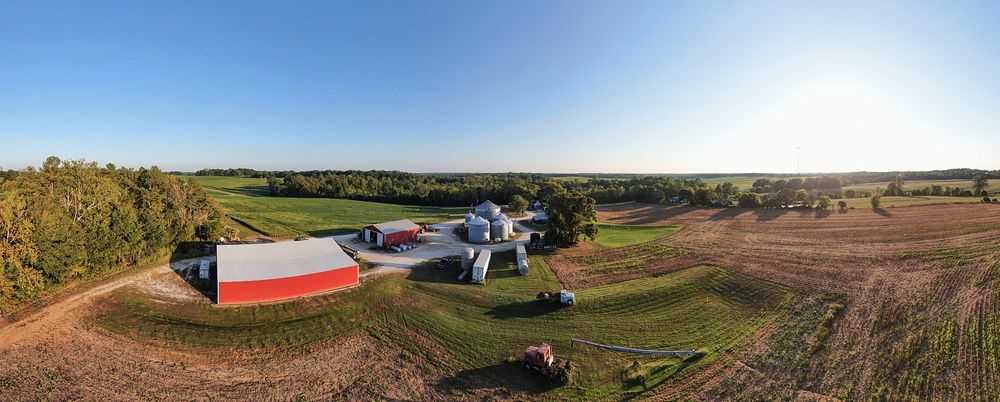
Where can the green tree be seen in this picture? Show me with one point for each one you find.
(517, 205)
(18, 280)
(876, 200)
(895, 187)
(748, 200)
(571, 215)
(823, 203)
(786, 197)
(549, 189)
(842, 205)
(980, 183)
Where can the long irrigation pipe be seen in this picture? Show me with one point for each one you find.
(640, 351)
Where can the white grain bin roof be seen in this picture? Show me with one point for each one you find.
(252, 262)
(503, 217)
(478, 221)
(395, 226)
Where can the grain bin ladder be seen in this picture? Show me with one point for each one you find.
(639, 351)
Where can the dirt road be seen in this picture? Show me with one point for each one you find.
(55, 312)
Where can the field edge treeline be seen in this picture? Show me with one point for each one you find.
(71, 220)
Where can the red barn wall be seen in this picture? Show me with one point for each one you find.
(283, 288)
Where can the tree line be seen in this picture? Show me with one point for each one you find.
(466, 189)
(70, 220)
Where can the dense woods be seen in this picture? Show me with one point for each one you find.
(70, 220)
(465, 190)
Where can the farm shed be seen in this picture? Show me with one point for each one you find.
(391, 233)
(250, 273)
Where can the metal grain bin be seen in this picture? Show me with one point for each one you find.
(468, 255)
(479, 230)
(488, 211)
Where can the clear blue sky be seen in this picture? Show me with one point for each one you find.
(487, 86)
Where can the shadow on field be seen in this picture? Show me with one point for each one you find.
(526, 309)
(507, 375)
(330, 232)
(727, 213)
(640, 380)
(648, 214)
(822, 213)
(427, 273)
(189, 272)
(764, 215)
(882, 211)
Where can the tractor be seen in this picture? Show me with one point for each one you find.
(564, 297)
(540, 359)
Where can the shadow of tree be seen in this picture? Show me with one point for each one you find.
(526, 309)
(882, 211)
(188, 272)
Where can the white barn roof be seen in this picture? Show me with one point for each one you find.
(395, 226)
(261, 261)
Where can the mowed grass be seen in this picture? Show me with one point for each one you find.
(246, 200)
(485, 328)
(611, 235)
(899, 201)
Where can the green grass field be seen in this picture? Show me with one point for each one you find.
(894, 201)
(921, 184)
(484, 327)
(610, 235)
(246, 200)
(743, 182)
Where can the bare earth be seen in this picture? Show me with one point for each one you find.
(898, 272)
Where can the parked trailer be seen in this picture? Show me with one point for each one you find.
(480, 267)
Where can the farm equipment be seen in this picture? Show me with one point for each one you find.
(444, 263)
(429, 228)
(564, 297)
(540, 359)
(351, 251)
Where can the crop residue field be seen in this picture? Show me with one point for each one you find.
(919, 288)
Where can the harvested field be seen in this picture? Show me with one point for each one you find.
(919, 288)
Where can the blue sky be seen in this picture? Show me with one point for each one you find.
(491, 86)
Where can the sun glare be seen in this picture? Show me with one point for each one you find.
(828, 122)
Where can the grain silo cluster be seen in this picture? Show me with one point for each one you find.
(488, 224)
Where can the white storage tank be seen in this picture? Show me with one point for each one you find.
(522, 266)
(509, 224)
(468, 255)
(498, 229)
(488, 210)
(522, 253)
(480, 267)
(479, 230)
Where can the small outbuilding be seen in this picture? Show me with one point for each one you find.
(391, 233)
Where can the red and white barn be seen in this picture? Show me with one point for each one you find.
(391, 233)
(250, 273)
